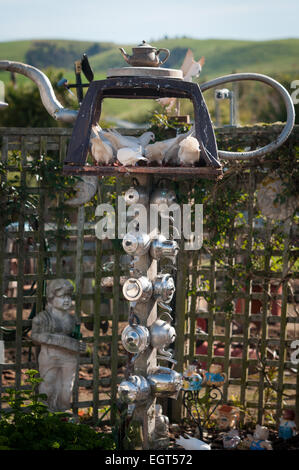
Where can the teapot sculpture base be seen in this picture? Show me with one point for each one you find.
(166, 171)
(156, 72)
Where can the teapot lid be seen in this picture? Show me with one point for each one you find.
(145, 45)
(132, 288)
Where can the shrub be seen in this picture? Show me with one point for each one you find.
(29, 425)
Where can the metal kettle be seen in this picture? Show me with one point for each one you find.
(165, 382)
(134, 390)
(135, 338)
(138, 290)
(136, 243)
(145, 55)
(164, 288)
(161, 247)
(136, 195)
(163, 196)
(162, 334)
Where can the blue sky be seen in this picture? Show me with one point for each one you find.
(131, 21)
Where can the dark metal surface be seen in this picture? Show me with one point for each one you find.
(140, 87)
(194, 405)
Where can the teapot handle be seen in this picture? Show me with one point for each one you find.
(168, 315)
(167, 52)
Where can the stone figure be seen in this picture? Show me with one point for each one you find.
(53, 329)
(161, 433)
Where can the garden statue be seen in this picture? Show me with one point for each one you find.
(227, 417)
(231, 439)
(259, 440)
(287, 425)
(161, 436)
(192, 380)
(53, 329)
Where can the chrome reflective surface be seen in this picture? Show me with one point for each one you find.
(135, 339)
(138, 289)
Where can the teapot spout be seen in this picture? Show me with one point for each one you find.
(125, 55)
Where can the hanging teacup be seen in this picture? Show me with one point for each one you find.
(215, 380)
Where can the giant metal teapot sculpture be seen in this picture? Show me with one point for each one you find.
(58, 112)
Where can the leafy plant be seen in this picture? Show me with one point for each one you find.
(29, 425)
(163, 127)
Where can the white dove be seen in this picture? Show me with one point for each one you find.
(143, 140)
(122, 141)
(189, 151)
(101, 151)
(156, 152)
(129, 157)
(192, 443)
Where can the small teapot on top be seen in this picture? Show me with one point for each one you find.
(145, 55)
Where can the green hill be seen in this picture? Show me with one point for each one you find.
(277, 58)
(222, 56)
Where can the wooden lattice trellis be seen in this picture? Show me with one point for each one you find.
(80, 257)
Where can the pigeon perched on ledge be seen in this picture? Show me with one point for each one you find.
(101, 152)
(189, 151)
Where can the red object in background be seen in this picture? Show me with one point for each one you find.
(256, 304)
(235, 369)
(202, 324)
